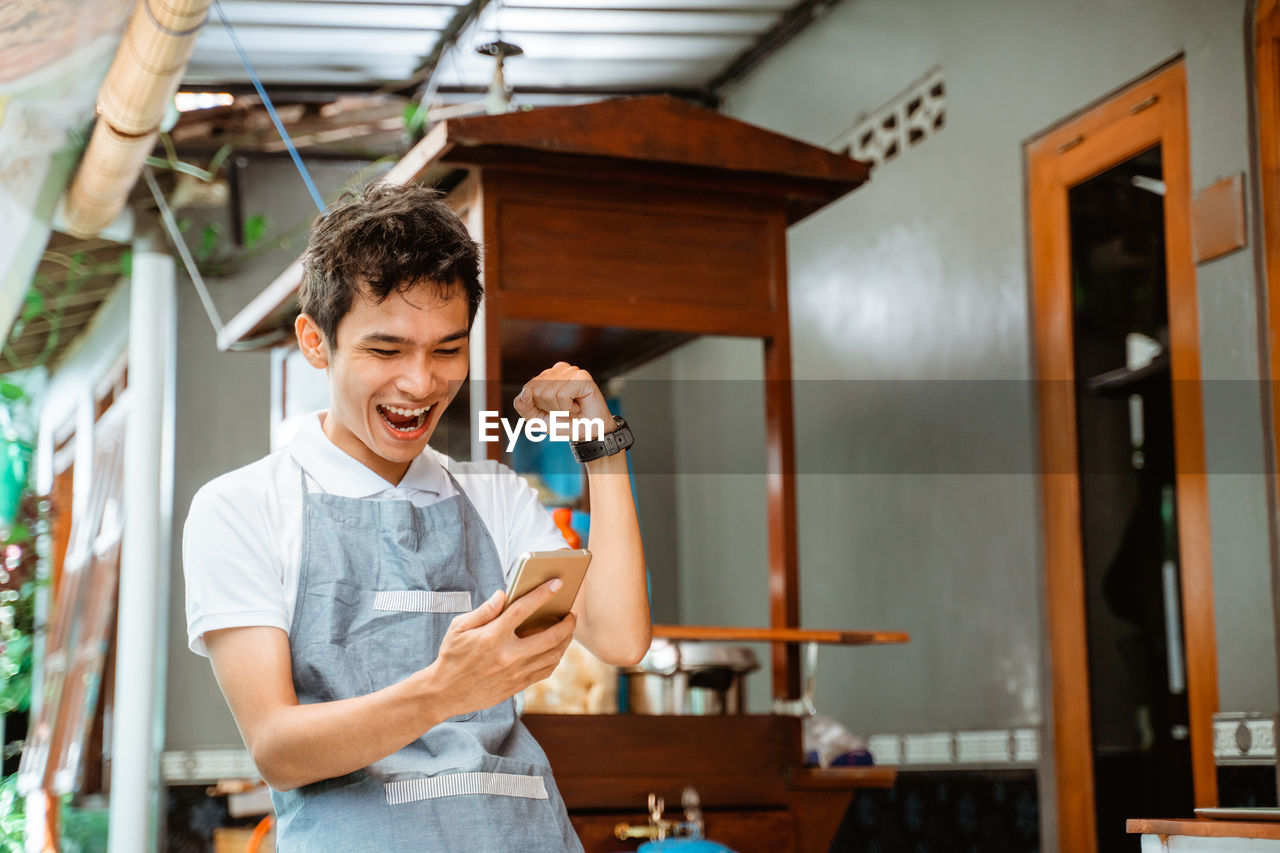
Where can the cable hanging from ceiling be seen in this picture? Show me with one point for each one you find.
(500, 49)
(166, 215)
(271, 110)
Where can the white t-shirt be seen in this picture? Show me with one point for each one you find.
(242, 543)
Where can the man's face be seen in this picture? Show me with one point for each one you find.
(397, 365)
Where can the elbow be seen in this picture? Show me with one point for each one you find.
(629, 659)
(637, 653)
(275, 776)
(276, 770)
(281, 779)
(632, 650)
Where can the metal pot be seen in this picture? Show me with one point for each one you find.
(690, 678)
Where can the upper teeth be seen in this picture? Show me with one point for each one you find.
(407, 413)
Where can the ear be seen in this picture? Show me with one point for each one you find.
(315, 349)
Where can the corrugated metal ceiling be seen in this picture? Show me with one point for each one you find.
(570, 46)
(311, 53)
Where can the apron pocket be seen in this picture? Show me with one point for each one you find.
(396, 644)
(422, 601)
(461, 784)
(508, 805)
(388, 634)
(401, 632)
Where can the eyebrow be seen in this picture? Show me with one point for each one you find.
(397, 340)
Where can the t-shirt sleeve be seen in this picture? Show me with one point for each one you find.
(232, 579)
(531, 526)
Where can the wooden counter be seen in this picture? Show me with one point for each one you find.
(729, 634)
(744, 768)
(1194, 836)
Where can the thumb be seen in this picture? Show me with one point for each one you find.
(482, 615)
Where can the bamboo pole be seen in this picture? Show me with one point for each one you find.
(147, 69)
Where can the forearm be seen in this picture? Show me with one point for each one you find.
(614, 618)
(299, 744)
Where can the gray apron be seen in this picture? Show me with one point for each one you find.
(380, 582)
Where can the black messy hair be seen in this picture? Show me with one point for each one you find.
(381, 239)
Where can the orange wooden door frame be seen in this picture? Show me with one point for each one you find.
(1267, 80)
(1152, 111)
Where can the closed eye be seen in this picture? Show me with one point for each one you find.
(382, 352)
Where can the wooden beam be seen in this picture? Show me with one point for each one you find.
(794, 21)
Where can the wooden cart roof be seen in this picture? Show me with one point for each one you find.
(642, 132)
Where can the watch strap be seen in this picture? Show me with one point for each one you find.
(613, 443)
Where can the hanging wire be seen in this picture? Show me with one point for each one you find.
(271, 110)
(497, 19)
(171, 225)
(435, 80)
(180, 243)
(449, 53)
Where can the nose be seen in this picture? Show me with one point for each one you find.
(419, 380)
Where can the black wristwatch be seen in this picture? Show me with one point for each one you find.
(615, 442)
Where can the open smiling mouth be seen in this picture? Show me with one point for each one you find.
(404, 420)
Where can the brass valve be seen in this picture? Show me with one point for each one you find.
(659, 827)
(625, 832)
(657, 830)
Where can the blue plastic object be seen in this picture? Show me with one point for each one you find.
(683, 845)
(581, 522)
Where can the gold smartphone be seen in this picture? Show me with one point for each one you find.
(538, 567)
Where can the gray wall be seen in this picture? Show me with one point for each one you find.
(223, 419)
(648, 405)
(921, 275)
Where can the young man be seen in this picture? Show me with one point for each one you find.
(349, 589)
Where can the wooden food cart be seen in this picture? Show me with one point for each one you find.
(613, 232)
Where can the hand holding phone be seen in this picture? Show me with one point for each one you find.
(538, 567)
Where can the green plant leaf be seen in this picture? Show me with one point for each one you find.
(255, 229)
(84, 830)
(18, 534)
(219, 158)
(10, 391)
(15, 667)
(77, 273)
(13, 828)
(166, 141)
(193, 171)
(415, 118)
(32, 305)
(208, 241)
